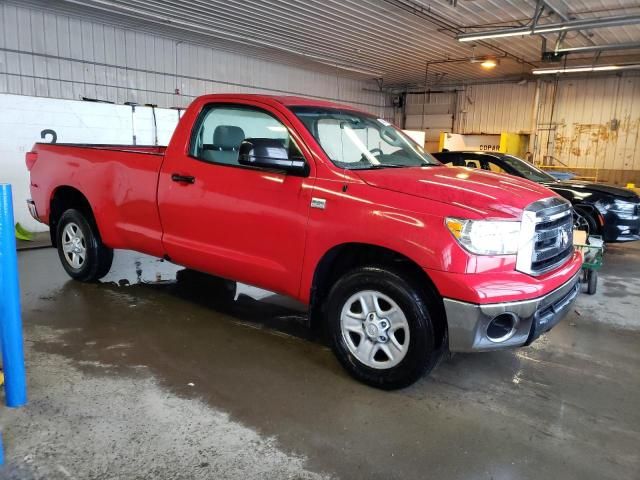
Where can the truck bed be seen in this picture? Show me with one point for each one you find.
(119, 182)
(148, 149)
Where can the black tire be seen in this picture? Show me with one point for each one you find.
(587, 219)
(98, 257)
(216, 291)
(421, 354)
(592, 282)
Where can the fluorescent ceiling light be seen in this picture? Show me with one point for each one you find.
(482, 36)
(585, 68)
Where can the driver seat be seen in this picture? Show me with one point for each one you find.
(226, 142)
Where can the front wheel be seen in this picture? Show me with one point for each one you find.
(81, 251)
(585, 221)
(380, 328)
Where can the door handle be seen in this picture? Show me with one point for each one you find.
(176, 177)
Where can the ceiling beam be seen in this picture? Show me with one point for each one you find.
(565, 18)
(538, 29)
(586, 69)
(599, 48)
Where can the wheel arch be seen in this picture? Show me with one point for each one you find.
(63, 198)
(346, 256)
(593, 212)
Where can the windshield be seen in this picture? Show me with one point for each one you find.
(357, 141)
(527, 170)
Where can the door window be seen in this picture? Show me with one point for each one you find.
(452, 160)
(221, 130)
(483, 164)
(494, 167)
(472, 163)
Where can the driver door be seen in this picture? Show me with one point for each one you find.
(235, 221)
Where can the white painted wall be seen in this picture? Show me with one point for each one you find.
(22, 119)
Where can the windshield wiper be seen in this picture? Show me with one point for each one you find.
(386, 165)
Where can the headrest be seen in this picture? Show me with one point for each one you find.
(228, 137)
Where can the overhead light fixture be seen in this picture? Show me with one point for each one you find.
(485, 62)
(489, 63)
(585, 68)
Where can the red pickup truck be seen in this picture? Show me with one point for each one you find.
(398, 257)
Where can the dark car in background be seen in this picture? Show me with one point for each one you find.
(606, 210)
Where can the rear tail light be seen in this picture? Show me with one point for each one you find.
(30, 159)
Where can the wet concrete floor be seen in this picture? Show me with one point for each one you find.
(143, 377)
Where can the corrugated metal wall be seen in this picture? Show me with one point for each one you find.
(432, 112)
(582, 123)
(591, 123)
(496, 108)
(477, 109)
(52, 55)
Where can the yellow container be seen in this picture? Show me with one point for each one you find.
(631, 185)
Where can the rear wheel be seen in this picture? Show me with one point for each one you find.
(380, 328)
(82, 253)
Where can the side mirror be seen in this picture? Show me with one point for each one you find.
(270, 153)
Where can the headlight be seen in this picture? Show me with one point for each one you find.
(624, 209)
(484, 237)
(621, 206)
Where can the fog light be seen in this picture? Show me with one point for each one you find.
(502, 327)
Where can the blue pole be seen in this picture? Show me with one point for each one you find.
(15, 385)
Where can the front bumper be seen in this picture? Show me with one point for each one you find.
(31, 205)
(469, 323)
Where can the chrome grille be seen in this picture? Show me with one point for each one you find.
(546, 240)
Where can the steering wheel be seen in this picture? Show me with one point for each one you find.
(372, 151)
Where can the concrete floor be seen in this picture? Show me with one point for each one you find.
(134, 378)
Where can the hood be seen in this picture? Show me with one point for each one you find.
(481, 191)
(590, 187)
